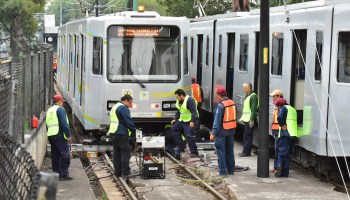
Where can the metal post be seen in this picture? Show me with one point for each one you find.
(61, 14)
(96, 7)
(130, 5)
(263, 150)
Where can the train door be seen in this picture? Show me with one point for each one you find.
(76, 67)
(256, 65)
(298, 72)
(199, 59)
(82, 70)
(231, 37)
(339, 87)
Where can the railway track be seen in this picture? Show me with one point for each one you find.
(129, 192)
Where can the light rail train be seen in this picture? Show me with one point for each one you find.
(309, 62)
(138, 53)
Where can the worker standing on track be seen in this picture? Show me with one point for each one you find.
(185, 121)
(59, 135)
(224, 127)
(121, 128)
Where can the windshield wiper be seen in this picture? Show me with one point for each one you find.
(137, 80)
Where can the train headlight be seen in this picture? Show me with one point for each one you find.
(134, 105)
(173, 105)
(154, 106)
(166, 105)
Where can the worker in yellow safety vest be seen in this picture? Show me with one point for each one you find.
(287, 136)
(121, 128)
(185, 122)
(276, 94)
(59, 135)
(250, 107)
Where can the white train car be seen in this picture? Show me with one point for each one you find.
(138, 53)
(309, 62)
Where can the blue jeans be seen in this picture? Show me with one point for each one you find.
(224, 149)
(180, 127)
(248, 138)
(275, 136)
(60, 155)
(285, 147)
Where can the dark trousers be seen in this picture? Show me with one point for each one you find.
(180, 127)
(224, 149)
(60, 155)
(285, 149)
(275, 136)
(247, 139)
(121, 154)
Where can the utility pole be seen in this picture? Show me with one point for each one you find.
(263, 150)
(135, 5)
(96, 8)
(61, 14)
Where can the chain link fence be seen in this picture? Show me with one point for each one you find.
(26, 87)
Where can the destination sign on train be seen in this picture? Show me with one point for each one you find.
(143, 32)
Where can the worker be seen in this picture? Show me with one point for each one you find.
(250, 106)
(185, 121)
(197, 94)
(276, 94)
(59, 135)
(287, 136)
(171, 141)
(122, 128)
(224, 127)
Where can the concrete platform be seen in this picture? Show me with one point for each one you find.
(246, 184)
(77, 189)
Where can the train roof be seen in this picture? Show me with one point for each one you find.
(129, 15)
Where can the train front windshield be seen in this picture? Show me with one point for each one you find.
(145, 53)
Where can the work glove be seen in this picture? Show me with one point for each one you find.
(251, 124)
(212, 137)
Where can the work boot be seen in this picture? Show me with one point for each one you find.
(68, 178)
(278, 172)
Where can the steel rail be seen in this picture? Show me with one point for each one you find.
(122, 181)
(206, 185)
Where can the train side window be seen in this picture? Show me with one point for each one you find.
(192, 43)
(207, 53)
(343, 61)
(185, 57)
(82, 52)
(318, 55)
(97, 56)
(220, 51)
(76, 48)
(243, 55)
(277, 53)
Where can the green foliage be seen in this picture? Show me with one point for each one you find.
(20, 12)
(187, 7)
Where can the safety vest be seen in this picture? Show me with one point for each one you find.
(229, 119)
(291, 122)
(52, 121)
(247, 112)
(114, 119)
(275, 126)
(196, 92)
(185, 114)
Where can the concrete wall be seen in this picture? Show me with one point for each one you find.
(36, 142)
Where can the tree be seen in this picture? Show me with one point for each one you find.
(17, 18)
(240, 5)
(187, 7)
